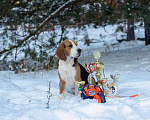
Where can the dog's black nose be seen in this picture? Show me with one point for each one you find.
(79, 50)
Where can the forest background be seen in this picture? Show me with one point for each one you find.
(23, 23)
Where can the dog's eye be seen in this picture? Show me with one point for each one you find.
(70, 46)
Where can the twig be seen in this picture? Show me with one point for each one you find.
(49, 94)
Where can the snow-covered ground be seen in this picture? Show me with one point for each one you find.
(24, 96)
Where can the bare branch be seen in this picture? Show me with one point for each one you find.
(53, 15)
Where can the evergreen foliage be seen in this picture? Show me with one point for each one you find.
(20, 18)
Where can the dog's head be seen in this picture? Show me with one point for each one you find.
(68, 48)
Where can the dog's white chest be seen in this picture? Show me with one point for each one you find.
(67, 72)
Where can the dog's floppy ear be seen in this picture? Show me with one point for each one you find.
(61, 52)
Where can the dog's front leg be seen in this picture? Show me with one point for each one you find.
(62, 85)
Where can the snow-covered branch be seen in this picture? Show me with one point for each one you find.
(51, 16)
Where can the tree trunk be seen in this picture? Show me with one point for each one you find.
(130, 32)
(147, 32)
(124, 27)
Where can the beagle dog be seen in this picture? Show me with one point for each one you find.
(69, 69)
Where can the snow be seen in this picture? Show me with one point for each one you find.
(24, 96)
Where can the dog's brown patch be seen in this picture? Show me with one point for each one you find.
(61, 84)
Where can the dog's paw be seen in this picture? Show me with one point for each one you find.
(61, 96)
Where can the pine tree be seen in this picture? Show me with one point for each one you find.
(145, 13)
(138, 10)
